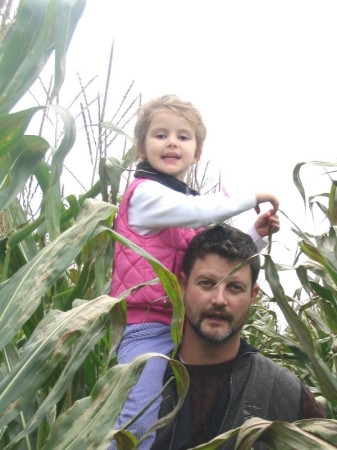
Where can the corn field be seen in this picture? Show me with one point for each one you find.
(60, 385)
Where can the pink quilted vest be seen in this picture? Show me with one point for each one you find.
(150, 303)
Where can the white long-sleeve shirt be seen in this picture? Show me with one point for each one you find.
(154, 206)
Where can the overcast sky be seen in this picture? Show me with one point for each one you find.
(262, 73)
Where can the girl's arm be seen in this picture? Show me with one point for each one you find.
(154, 206)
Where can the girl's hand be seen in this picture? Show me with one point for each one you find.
(267, 223)
(266, 198)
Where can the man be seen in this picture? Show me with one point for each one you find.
(230, 381)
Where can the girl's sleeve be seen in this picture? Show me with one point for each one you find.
(259, 241)
(154, 206)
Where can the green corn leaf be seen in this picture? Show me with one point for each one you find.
(27, 48)
(317, 255)
(70, 334)
(110, 172)
(53, 194)
(327, 303)
(296, 174)
(23, 233)
(324, 429)
(67, 15)
(315, 434)
(298, 182)
(332, 210)
(170, 284)
(21, 295)
(327, 380)
(19, 42)
(279, 338)
(28, 155)
(111, 126)
(279, 435)
(42, 175)
(13, 127)
(88, 424)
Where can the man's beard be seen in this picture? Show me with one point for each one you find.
(217, 335)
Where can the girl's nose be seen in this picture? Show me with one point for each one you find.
(172, 140)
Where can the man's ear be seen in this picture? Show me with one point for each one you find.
(255, 293)
(182, 280)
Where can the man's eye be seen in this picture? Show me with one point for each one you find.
(206, 284)
(235, 287)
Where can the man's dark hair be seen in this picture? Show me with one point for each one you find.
(225, 241)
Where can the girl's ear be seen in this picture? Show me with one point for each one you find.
(197, 155)
(141, 153)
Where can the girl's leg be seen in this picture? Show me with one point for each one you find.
(137, 340)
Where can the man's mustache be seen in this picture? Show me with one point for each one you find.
(216, 313)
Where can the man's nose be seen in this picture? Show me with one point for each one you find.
(219, 296)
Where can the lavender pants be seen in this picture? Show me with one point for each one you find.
(137, 340)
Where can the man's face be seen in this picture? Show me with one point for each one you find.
(217, 313)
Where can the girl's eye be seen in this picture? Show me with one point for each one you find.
(183, 137)
(161, 135)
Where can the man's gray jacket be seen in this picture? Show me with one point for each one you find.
(258, 387)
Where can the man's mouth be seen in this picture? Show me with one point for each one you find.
(221, 316)
(215, 317)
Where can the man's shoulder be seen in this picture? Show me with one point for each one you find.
(285, 381)
(269, 362)
(271, 391)
(273, 369)
(267, 377)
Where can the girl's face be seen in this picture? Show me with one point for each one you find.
(170, 145)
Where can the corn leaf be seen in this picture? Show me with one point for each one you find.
(67, 15)
(21, 295)
(327, 380)
(332, 210)
(116, 129)
(13, 127)
(88, 424)
(53, 194)
(314, 434)
(28, 46)
(278, 435)
(28, 155)
(296, 174)
(317, 255)
(170, 284)
(69, 334)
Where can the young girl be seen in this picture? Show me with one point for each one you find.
(161, 214)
